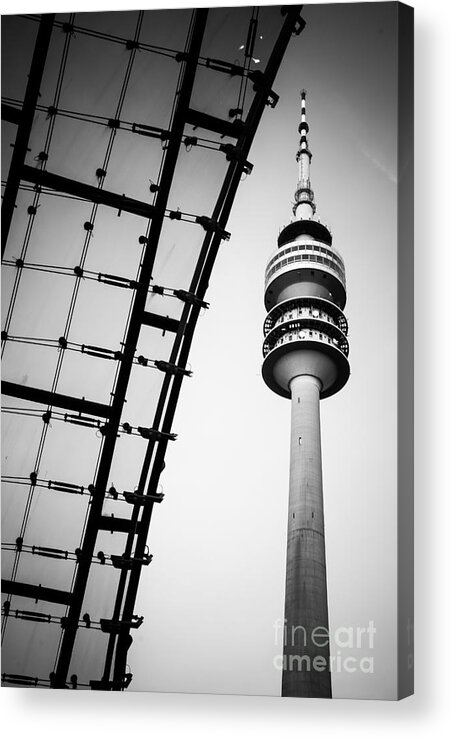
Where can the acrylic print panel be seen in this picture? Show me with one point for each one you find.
(173, 181)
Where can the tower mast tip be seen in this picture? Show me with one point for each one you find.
(304, 207)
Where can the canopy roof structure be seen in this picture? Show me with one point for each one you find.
(125, 138)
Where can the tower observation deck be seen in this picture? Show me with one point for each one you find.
(305, 353)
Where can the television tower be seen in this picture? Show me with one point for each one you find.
(305, 358)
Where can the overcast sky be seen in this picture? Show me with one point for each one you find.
(216, 585)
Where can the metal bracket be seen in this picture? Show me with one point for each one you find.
(154, 435)
(122, 562)
(233, 153)
(212, 226)
(261, 83)
(116, 626)
(143, 500)
(166, 366)
(191, 298)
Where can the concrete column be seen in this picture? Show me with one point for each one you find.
(306, 650)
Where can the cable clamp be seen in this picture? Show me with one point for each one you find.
(116, 626)
(127, 563)
(191, 298)
(154, 435)
(166, 366)
(234, 153)
(212, 226)
(143, 500)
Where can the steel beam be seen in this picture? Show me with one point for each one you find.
(26, 121)
(160, 321)
(212, 123)
(117, 525)
(86, 192)
(36, 592)
(45, 397)
(11, 114)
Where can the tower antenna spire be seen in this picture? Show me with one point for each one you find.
(304, 207)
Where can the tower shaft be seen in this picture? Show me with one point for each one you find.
(306, 648)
